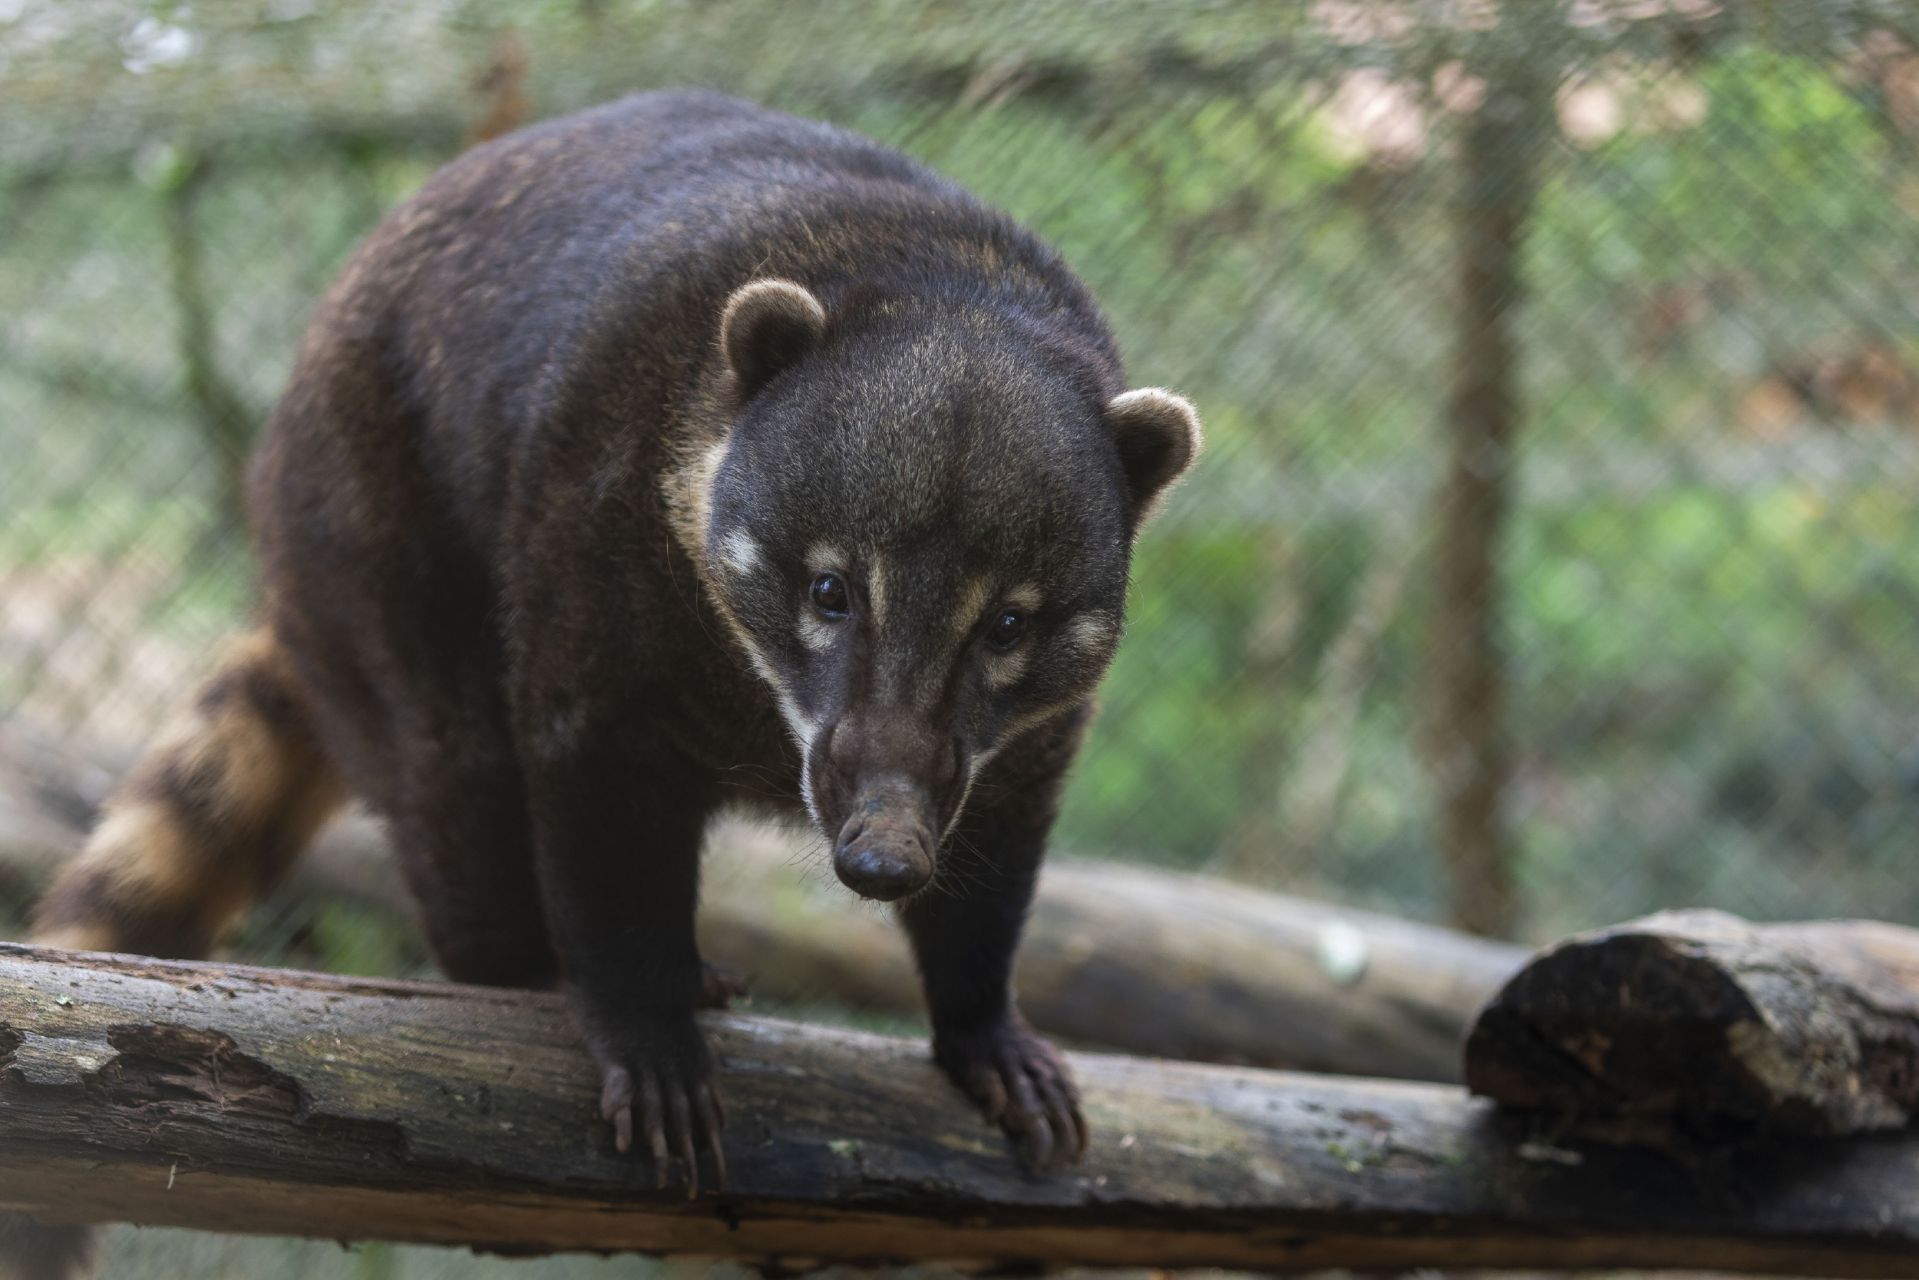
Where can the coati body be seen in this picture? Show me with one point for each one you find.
(669, 455)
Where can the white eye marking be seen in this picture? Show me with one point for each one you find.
(1090, 633)
(825, 557)
(1024, 596)
(967, 608)
(815, 633)
(739, 552)
(1004, 669)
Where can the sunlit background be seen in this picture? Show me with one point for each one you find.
(1555, 555)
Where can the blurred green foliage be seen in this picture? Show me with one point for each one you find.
(1708, 626)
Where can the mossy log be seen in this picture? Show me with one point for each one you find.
(1698, 1023)
(253, 1100)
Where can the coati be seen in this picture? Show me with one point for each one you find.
(670, 455)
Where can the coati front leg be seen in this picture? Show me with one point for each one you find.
(618, 818)
(965, 929)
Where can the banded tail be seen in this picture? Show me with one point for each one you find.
(207, 822)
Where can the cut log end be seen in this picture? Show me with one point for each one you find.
(1702, 1024)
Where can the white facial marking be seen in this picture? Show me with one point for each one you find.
(1004, 670)
(1034, 718)
(876, 590)
(797, 724)
(815, 633)
(824, 556)
(1024, 596)
(806, 790)
(967, 608)
(739, 552)
(1090, 633)
(705, 472)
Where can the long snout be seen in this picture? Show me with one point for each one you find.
(885, 849)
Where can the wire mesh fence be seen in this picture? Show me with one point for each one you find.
(1552, 558)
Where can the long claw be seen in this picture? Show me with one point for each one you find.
(623, 1130)
(991, 1093)
(1062, 1108)
(712, 1119)
(683, 1131)
(655, 1126)
(616, 1105)
(1027, 1116)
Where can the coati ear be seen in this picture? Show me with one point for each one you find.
(1158, 437)
(767, 325)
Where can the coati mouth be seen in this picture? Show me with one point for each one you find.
(885, 850)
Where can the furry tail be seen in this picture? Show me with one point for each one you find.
(206, 823)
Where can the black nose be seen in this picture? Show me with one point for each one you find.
(883, 871)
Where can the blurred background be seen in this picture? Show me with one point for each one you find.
(1555, 555)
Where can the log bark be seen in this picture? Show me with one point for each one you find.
(251, 1100)
(1125, 958)
(1698, 1022)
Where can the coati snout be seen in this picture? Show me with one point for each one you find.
(886, 788)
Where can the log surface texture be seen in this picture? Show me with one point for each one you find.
(251, 1100)
(1696, 1022)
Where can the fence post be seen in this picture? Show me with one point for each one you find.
(225, 421)
(1468, 755)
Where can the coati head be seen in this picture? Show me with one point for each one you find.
(919, 526)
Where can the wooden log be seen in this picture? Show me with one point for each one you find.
(1698, 1022)
(251, 1100)
(1130, 958)
(1126, 958)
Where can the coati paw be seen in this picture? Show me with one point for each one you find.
(1023, 1084)
(719, 989)
(666, 1075)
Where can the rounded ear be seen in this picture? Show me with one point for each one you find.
(1158, 437)
(767, 325)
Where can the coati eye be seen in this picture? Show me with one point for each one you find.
(1006, 629)
(829, 595)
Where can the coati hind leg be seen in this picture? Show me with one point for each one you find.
(459, 826)
(207, 822)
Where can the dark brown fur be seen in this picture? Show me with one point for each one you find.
(487, 511)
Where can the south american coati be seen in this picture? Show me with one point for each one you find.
(668, 456)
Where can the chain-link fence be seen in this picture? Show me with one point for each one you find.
(1553, 558)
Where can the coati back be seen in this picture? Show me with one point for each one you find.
(667, 456)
